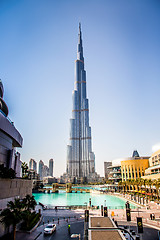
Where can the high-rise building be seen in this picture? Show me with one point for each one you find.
(45, 171)
(106, 169)
(33, 165)
(80, 158)
(51, 167)
(41, 169)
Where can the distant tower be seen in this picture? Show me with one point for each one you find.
(80, 158)
(45, 171)
(106, 169)
(51, 167)
(41, 170)
(33, 165)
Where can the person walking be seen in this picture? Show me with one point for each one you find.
(69, 229)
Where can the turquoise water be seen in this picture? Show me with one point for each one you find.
(66, 199)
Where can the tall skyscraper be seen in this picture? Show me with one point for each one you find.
(51, 167)
(80, 158)
(41, 169)
(33, 165)
(45, 171)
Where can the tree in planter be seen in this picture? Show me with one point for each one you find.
(12, 215)
(29, 202)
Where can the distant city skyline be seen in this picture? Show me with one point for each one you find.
(43, 170)
(122, 55)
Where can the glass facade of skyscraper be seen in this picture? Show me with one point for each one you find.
(80, 158)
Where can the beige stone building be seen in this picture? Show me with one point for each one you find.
(153, 172)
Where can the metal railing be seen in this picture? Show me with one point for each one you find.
(51, 207)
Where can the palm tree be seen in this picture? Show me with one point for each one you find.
(156, 183)
(120, 184)
(124, 184)
(130, 183)
(29, 202)
(149, 183)
(137, 183)
(12, 215)
(144, 183)
(6, 218)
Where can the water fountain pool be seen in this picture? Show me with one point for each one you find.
(66, 199)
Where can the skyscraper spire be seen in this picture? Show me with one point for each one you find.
(79, 27)
(80, 47)
(80, 158)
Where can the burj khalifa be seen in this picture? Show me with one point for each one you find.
(80, 158)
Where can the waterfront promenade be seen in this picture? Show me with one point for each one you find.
(76, 219)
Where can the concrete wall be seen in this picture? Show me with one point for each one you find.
(13, 188)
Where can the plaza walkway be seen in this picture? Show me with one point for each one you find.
(76, 220)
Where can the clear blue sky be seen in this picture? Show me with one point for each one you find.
(121, 39)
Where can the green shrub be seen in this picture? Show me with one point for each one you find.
(30, 221)
(6, 172)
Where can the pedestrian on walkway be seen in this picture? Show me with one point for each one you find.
(69, 229)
